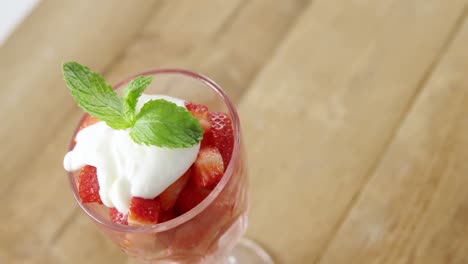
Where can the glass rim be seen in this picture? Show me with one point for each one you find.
(198, 209)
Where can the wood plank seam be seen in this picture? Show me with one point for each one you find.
(432, 164)
(229, 20)
(446, 142)
(421, 85)
(65, 223)
(276, 49)
(121, 54)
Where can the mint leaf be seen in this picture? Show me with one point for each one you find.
(94, 95)
(164, 124)
(159, 122)
(132, 92)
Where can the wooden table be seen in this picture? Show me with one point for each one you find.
(354, 115)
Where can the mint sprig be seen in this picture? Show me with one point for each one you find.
(162, 123)
(159, 122)
(131, 93)
(94, 95)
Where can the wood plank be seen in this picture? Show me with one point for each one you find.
(57, 241)
(30, 63)
(92, 249)
(320, 114)
(231, 52)
(42, 199)
(414, 209)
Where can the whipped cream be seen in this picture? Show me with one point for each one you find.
(125, 168)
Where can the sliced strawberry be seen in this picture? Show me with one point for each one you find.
(200, 112)
(88, 185)
(118, 217)
(166, 216)
(206, 140)
(144, 211)
(169, 196)
(208, 167)
(222, 135)
(190, 196)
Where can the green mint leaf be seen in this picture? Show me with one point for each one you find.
(164, 124)
(94, 95)
(132, 92)
(159, 122)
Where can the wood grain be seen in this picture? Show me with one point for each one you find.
(326, 122)
(415, 203)
(352, 111)
(229, 43)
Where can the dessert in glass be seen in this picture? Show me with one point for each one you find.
(171, 202)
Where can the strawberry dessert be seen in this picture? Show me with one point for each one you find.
(162, 176)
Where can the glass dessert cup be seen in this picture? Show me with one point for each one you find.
(209, 232)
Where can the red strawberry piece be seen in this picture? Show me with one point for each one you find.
(166, 216)
(144, 211)
(88, 185)
(190, 197)
(205, 142)
(169, 196)
(118, 217)
(208, 167)
(200, 112)
(222, 135)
